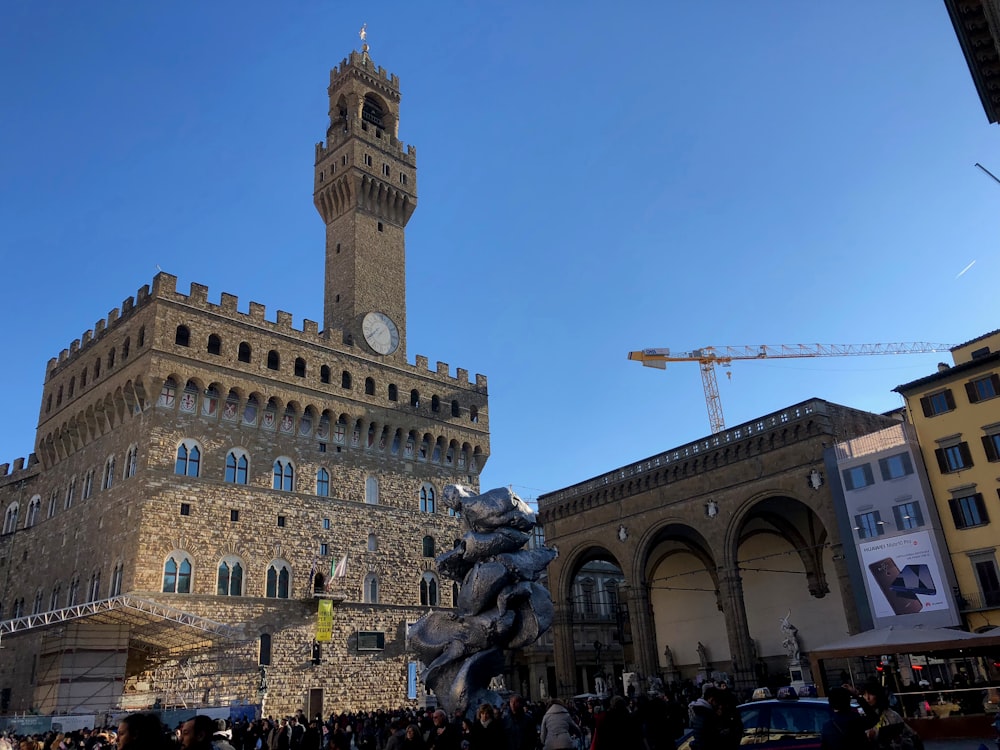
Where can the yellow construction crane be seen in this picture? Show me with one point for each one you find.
(710, 356)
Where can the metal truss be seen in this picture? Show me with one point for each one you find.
(156, 626)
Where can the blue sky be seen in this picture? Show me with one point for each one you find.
(592, 180)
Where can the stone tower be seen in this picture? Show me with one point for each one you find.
(365, 190)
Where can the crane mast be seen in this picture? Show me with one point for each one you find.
(710, 356)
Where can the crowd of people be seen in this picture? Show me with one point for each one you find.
(621, 723)
(710, 721)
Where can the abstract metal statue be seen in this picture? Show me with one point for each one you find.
(500, 605)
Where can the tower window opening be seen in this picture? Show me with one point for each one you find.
(182, 336)
(386, 170)
(371, 112)
(273, 360)
(402, 178)
(368, 160)
(380, 226)
(214, 344)
(244, 354)
(338, 248)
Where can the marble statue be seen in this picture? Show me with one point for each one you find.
(790, 638)
(668, 657)
(599, 687)
(702, 656)
(501, 605)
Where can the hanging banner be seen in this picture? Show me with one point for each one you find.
(324, 623)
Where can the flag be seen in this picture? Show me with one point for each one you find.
(341, 570)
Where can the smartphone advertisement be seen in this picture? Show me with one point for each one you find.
(903, 575)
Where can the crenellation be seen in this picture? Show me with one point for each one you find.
(422, 364)
(127, 305)
(462, 375)
(229, 302)
(310, 326)
(112, 316)
(442, 368)
(199, 293)
(18, 464)
(74, 347)
(164, 285)
(257, 312)
(142, 296)
(481, 382)
(63, 355)
(99, 327)
(284, 320)
(87, 337)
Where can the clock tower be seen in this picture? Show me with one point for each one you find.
(365, 190)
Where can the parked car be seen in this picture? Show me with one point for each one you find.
(781, 723)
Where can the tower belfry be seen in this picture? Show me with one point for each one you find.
(366, 190)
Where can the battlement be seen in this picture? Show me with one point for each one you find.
(21, 469)
(363, 60)
(164, 288)
(353, 127)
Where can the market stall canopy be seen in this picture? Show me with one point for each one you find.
(897, 640)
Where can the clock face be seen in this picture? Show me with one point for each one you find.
(380, 333)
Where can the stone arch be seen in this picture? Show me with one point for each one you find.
(799, 523)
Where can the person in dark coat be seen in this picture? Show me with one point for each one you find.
(706, 724)
(846, 730)
(487, 731)
(619, 729)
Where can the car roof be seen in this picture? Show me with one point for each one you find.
(786, 702)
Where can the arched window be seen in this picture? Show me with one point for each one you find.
(111, 359)
(116, 580)
(74, 592)
(229, 581)
(18, 608)
(273, 360)
(455, 409)
(279, 576)
(237, 467)
(59, 396)
(428, 546)
(473, 414)
(97, 368)
(215, 344)
(264, 650)
(54, 598)
(10, 518)
(324, 374)
(88, 485)
(426, 498)
(183, 336)
(95, 587)
(177, 574)
(300, 367)
(131, 458)
(370, 590)
(428, 590)
(345, 379)
(435, 403)
(284, 475)
(108, 478)
(323, 483)
(126, 346)
(244, 352)
(372, 543)
(72, 386)
(34, 508)
(454, 593)
(142, 337)
(415, 398)
(371, 490)
(188, 461)
(70, 492)
(369, 386)
(36, 608)
(393, 392)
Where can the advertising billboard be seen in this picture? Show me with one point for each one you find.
(903, 576)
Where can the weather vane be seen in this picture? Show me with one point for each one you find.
(364, 37)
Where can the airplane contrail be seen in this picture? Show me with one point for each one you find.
(966, 269)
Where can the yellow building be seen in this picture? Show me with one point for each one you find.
(956, 414)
